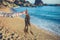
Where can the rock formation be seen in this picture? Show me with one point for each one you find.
(38, 2)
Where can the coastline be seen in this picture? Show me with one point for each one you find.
(16, 26)
(52, 33)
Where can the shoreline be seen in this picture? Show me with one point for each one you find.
(17, 25)
(48, 31)
(52, 33)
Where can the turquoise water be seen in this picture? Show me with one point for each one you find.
(46, 17)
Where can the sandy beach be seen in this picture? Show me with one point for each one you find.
(13, 29)
(6, 9)
(15, 26)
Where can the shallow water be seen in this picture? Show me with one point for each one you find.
(46, 17)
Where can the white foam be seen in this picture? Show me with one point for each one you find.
(46, 24)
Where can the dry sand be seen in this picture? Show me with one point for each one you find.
(5, 9)
(13, 29)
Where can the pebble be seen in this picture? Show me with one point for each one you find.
(1, 36)
(1, 28)
(8, 39)
(4, 39)
(12, 34)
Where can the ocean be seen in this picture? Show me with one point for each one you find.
(46, 17)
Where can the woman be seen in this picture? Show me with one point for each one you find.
(27, 23)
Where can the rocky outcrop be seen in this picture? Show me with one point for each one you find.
(38, 2)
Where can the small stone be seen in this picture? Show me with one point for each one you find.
(1, 28)
(17, 36)
(4, 39)
(12, 34)
(1, 36)
(8, 39)
(12, 37)
(35, 39)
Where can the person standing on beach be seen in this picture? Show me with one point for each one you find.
(27, 22)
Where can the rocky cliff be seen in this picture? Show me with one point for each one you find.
(38, 2)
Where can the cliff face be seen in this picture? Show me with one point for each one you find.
(38, 2)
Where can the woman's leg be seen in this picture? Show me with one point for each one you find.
(26, 28)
